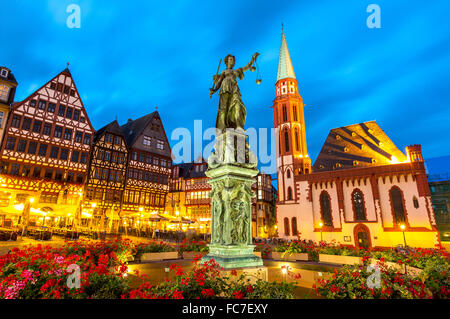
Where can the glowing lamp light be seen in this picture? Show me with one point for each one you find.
(19, 206)
(177, 213)
(320, 224)
(31, 199)
(141, 209)
(402, 227)
(284, 270)
(87, 215)
(93, 205)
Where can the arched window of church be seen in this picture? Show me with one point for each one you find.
(295, 112)
(359, 210)
(288, 173)
(296, 139)
(284, 113)
(325, 209)
(289, 194)
(397, 205)
(415, 202)
(286, 226)
(286, 140)
(294, 226)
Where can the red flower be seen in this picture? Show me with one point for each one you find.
(234, 272)
(238, 294)
(249, 289)
(179, 271)
(177, 294)
(208, 292)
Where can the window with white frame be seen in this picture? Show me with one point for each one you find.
(147, 140)
(159, 144)
(4, 73)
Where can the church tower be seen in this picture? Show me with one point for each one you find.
(292, 155)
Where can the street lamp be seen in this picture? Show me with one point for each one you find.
(402, 227)
(284, 271)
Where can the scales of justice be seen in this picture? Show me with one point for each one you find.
(231, 171)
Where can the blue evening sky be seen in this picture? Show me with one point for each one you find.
(130, 56)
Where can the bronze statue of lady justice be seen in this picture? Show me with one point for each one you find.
(232, 112)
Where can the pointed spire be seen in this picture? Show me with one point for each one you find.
(285, 68)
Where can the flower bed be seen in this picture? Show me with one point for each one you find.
(155, 251)
(208, 281)
(355, 282)
(43, 272)
(189, 250)
(342, 260)
(264, 250)
(300, 250)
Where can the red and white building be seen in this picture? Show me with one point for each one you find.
(362, 190)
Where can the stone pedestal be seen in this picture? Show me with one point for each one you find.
(231, 172)
(231, 257)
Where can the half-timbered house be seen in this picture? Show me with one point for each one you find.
(45, 149)
(149, 166)
(105, 181)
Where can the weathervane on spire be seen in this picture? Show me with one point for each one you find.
(68, 64)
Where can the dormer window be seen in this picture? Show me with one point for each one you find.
(4, 92)
(4, 73)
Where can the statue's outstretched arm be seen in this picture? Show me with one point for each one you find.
(249, 65)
